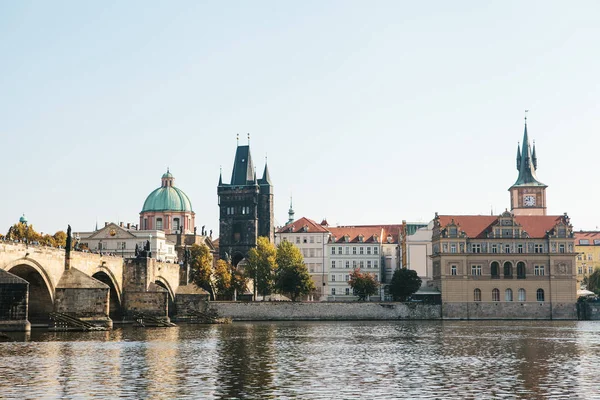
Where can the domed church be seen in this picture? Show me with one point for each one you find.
(168, 209)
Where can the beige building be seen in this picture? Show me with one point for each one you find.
(311, 238)
(518, 265)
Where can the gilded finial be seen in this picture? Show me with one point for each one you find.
(237, 138)
(526, 111)
(248, 138)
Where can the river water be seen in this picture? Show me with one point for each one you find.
(309, 360)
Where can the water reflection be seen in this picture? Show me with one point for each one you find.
(309, 360)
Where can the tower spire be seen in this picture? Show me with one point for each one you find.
(527, 162)
(290, 212)
(518, 156)
(220, 175)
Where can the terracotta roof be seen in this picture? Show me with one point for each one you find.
(299, 224)
(477, 226)
(353, 232)
(592, 236)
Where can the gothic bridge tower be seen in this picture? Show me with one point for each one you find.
(527, 195)
(245, 207)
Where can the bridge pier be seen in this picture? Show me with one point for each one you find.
(140, 294)
(14, 299)
(81, 296)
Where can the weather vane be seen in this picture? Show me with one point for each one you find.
(526, 111)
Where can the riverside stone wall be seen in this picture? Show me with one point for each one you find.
(282, 311)
(510, 310)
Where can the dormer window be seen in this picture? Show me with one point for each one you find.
(361, 238)
(390, 239)
(374, 238)
(305, 228)
(347, 238)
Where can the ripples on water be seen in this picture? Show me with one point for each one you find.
(310, 360)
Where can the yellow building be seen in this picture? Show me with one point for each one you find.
(587, 246)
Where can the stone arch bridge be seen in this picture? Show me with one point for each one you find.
(93, 285)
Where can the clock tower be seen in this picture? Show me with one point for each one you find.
(527, 195)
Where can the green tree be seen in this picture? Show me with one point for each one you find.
(404, 283)
(292, 276)
(22, 232)
(363, 284)
(261, 266)
(60, 238)
(594, 281)
(201, 269)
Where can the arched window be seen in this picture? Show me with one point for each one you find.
(159, 224)
(477, 295)
(540, 295)
(176, 224)
(508, 269)
(520, 270)
(495, 270)
(522, 295)
(508, 295)
(495, 295)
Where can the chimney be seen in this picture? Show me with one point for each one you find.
(121, 224)
(128, 225)
(106, 224)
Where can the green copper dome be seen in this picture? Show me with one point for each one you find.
(167, 197)
(23, 219)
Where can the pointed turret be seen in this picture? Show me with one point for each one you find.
(266, 178)
(518, 156)
(220, 176)
(534, 157)
(527, 165)
(290, 213)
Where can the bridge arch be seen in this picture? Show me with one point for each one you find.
(105, 276)
(41, 289)
(164, 283)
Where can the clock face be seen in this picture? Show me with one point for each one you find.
(529, 201)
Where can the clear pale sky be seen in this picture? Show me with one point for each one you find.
(369, 111)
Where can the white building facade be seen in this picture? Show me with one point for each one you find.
(311, 238)
(120, 240)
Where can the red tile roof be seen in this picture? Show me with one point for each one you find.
(353, 232)
(589, 235)
(477, 226)
(299, 224)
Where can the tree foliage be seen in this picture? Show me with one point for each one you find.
(593, 283)
(261, 266)
(292, 276)
(27, 233)
(363, 284)
(201, 269)
(404, 283)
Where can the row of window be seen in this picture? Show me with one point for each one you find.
(159, 224)
(355, 264)
(508, 295)
(347, 278)
(361, 250)
(582, 257)
(304, 239)
(590, 270)
(476, 270)
(504, 248)
(312, 252)
(244, 210)
(346, 292)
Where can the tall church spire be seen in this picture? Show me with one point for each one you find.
(526, 164)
